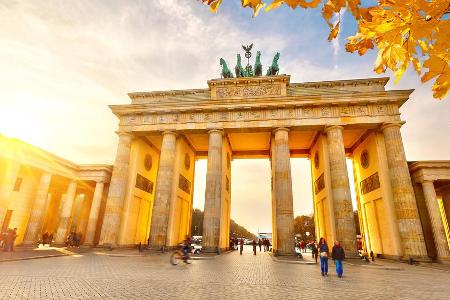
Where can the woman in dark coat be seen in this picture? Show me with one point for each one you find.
(338, 255)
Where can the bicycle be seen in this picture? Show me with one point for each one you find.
(178, 255)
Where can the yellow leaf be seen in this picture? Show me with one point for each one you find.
(334, 32)
(442, 85)
(379, 66)
(401, 70)
(215, 5)
(274, 4)
(394, 54)
(256, 5)
(423, 45)
(416, 64)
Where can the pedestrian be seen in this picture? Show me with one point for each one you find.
(302, 246)
(314, 250)
(78, 239)
(241, 246)
(70, 240)
(259, 244)
(338, 255)
(254, 247)
(10, 239)
(372, 256)
(236, 243)
(45, 239)
(324, 252)
(50, 239)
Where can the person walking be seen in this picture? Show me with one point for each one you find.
(45, 239)
(254, 247)
(324, 252)
(338, 255)
(259, 244)
(314, 250)
(10, 239)
(241, 246)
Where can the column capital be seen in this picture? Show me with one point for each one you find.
(426, 181)
(169, 132)
(332, 127)
(218, 130)
(124, 133)
(275, 130)
(392, 124)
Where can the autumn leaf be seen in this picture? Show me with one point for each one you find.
(333, 34)
(256, 5)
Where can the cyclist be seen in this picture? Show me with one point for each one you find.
(186, 247)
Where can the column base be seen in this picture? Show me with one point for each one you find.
(443, 260)
(282, 253)
(210, 250)
(424, 259)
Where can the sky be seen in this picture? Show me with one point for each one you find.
(63, 62)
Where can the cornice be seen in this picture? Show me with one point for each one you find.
(346, 82)
(373, 97)
(163, 94)
(160, 95)
(429, 164)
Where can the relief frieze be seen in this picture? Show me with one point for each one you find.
(248, 91)
(249, 114)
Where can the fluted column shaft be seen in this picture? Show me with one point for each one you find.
(282, 192)
(407, 213)
(437, 226)
(340, 190)
(7, 181)
(116, 193)
(37, 215)
(66, 213)
(94, 212)
(213, 192)
(163, 191)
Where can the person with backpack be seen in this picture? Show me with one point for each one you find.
(323, 252)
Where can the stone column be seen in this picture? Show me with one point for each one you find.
(403, 194)
(213, 193)
(163, 191)
(93, 213)
(66, 213)
(37, 215)
(116, 193)
(340, 190)
(437, 226)
(7, 182)
(282, 192)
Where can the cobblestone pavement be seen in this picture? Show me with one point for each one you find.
(93, 276)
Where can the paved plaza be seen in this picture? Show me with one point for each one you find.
(127, 276)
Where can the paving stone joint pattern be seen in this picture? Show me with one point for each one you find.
(229, 276)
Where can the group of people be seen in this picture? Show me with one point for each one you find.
(47, 239)
(337, 255)
(7, 239)
(302, 246)
(73, 239)
(238, 243)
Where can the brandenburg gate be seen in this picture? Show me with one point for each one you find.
(162, 134)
